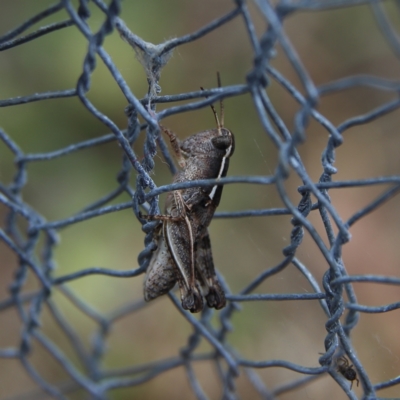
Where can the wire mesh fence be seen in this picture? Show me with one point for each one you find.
(43, 312)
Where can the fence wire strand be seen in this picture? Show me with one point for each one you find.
(41, 235)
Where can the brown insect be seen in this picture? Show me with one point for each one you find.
(347, 370)
(183, 251)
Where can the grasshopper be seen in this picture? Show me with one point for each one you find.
(183, 251)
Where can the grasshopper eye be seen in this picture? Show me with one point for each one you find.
(222, 142)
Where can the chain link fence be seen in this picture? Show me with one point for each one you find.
(66, 324)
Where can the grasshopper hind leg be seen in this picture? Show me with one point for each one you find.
(205, 270)
(191, 298)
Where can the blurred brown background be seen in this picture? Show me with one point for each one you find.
(331, 44)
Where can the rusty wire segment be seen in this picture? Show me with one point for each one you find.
(90, 376)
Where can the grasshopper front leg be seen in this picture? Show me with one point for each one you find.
(175, 144)
(175, 207)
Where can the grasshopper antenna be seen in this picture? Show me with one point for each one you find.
(221, 103)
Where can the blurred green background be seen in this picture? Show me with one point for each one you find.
(331, 44)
